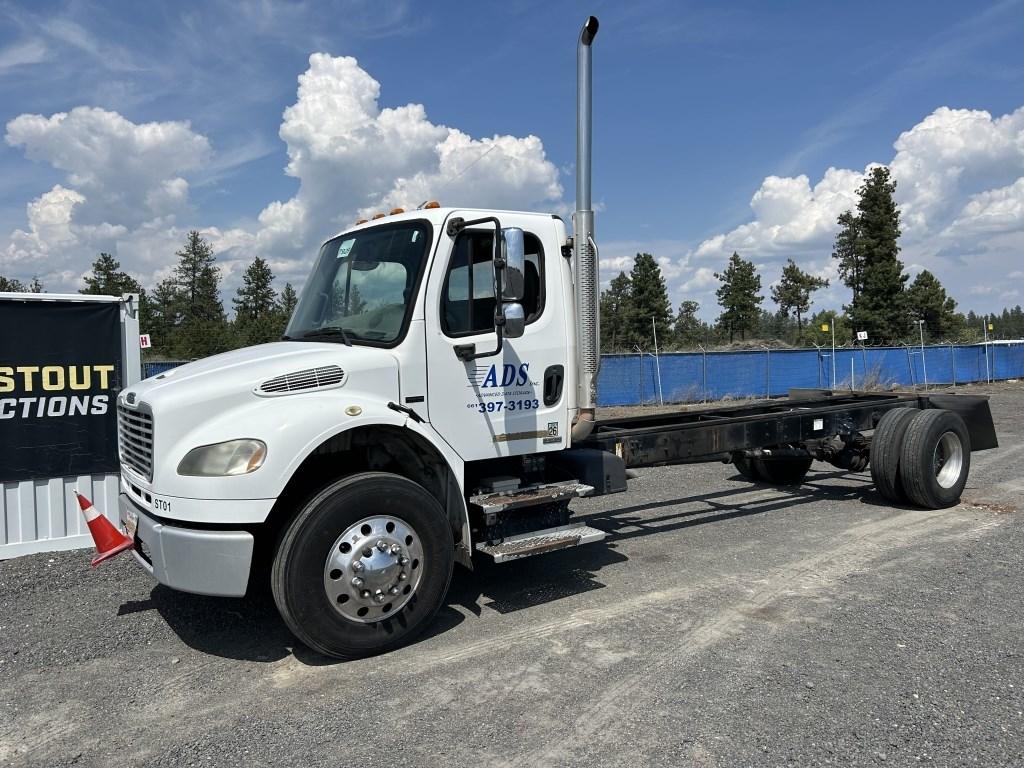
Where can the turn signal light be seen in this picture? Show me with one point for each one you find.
(432, 204)
(396, 210)
(379, 216)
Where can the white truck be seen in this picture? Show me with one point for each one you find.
(433, 400)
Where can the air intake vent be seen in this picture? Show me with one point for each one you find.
(300, 381)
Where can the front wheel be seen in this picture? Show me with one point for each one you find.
(364, 567)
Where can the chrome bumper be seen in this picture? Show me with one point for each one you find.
(203, 562)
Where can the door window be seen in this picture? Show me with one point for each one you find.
(467, 298)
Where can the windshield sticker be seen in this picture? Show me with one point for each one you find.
(345, 248)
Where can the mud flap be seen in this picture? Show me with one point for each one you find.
(974, 410)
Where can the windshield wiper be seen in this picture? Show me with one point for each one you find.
(330, 330)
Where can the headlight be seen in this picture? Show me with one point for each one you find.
(235, 457)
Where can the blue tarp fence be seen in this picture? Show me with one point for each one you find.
(687, 377)
(696, 376)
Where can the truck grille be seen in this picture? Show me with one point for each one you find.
(135, 440)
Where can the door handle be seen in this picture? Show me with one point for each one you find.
(553, 378)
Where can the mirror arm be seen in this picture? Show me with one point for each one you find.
(467, 352)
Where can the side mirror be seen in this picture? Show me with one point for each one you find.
(513, 253)
(515, 320)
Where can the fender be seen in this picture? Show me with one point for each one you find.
(374, 414)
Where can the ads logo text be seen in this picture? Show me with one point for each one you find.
(506, 375)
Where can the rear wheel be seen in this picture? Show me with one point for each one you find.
(936, 459)
(364, 567)
(886, 447)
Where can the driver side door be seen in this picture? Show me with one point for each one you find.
(495, 405)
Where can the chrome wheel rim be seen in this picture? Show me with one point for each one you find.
(948, 459)
(373, 569)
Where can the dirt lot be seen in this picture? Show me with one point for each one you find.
(723, 624)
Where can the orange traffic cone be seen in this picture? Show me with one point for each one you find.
(109, 541)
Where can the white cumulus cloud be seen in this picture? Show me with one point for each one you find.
(352, 157)
(127, 184)
(960, 189)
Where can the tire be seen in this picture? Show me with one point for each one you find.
(886, 445)
(790, 470)
(936, 459)
(745, 466)
(384, 519)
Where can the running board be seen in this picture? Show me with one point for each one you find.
(539, 542)
(490, 503)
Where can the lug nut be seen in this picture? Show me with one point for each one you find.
(403, 561)
(401, 576)
(364, 594)
(393, 590)
(395, 549)
(382, 545)
(379, 596)
(357, 582)
(357, 566)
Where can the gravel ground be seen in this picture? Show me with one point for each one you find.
(761, 627)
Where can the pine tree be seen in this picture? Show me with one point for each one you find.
(845, 251)
(688, 328)
(793, 292)
(256, 304)
(288, 300)
(107, 279)
(12, 285)
(202, 329)
(614, 308)
(879, 306)
(827, 317)
(283, 311)
(739, 297)
(927, 300)
(648, 299)
(164, 310)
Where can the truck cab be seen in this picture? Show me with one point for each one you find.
(428, 346)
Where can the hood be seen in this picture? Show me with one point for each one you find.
(236, 374)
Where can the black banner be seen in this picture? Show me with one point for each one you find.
(60, 372)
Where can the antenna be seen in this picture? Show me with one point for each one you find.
(457, 176)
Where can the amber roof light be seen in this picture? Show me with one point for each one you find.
(432, 204)
(396, 210)
(378, 216)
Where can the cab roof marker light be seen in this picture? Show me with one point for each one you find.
(432, 204)
(378, 216)
(361, 221)
(396, 211)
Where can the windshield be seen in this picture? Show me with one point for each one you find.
(362, 286)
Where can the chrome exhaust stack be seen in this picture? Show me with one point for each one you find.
(585, 255)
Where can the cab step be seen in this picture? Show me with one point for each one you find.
(539, 542)
(531, 496)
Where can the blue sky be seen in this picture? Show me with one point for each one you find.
(715, 129)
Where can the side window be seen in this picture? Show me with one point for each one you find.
(467, 298)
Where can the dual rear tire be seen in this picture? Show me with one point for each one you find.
(921, 457)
